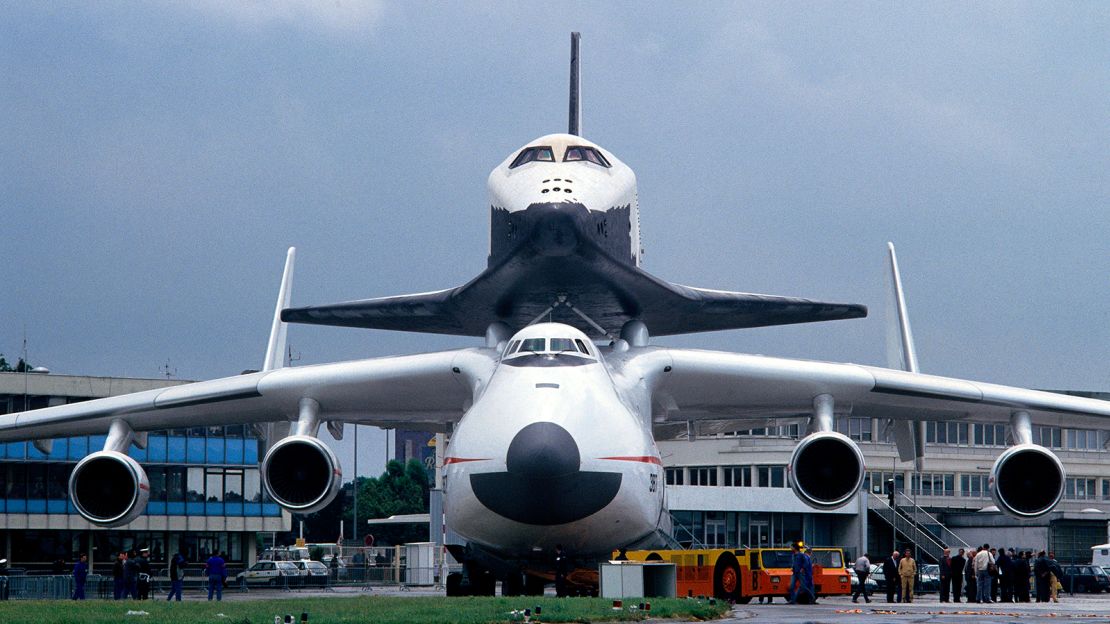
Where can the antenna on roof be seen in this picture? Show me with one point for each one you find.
(575, 84)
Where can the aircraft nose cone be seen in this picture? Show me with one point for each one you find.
(543, 450)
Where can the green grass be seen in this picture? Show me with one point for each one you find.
(380, 610)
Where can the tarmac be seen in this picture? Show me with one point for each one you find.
(833, 610)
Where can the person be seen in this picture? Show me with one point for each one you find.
(969, 576)
(177, 576)
(890, 575)
(216, 569)
(80, 575)
(131, 576)
(622, 555)
(983, 564)
(995, 573)
(801, 580)
(863, 570)
(1055, 577)
(945, 572)
(1040, 576)
(1021, 576)
(143, 580)
(119, 585)
(562, 568)
(907, 573)
(1006, 574)
(956, 565)
(333, 568)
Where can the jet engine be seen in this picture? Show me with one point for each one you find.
(826, 469)
(109, 488)
(301, 473)
(1027, 480)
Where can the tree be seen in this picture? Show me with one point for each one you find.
(4, 366)
(401, 489)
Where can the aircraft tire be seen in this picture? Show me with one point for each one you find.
(454, 585)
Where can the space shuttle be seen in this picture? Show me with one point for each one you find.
(565, 247)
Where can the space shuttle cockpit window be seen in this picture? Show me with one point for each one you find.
(542, 153)
(589, 154)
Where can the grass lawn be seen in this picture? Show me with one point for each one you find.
(380, 610)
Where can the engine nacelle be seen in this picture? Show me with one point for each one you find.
(109, 488)
(301, 473)
(826, 469)
(1027, 480)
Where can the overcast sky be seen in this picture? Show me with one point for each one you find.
(157, 158)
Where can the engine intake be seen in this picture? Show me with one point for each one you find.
(109, 488)
(826, 469)
(301, 473)
(1027, 480)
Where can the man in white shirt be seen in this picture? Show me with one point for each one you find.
(983, 562)
(863, 569)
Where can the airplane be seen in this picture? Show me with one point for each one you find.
(554, 417)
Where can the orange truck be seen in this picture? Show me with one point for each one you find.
(745, 573)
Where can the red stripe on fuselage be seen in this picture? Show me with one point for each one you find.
(646, 459)
(460, 460)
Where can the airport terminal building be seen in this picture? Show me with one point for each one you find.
(733, 490)
(205, 488)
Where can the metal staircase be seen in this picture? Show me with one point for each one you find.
(916, 525)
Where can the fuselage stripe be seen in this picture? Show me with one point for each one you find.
(647, 459)
(461, 460)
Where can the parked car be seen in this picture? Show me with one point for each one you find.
(872, 586)
(928, 578)
(1085, 578)
(312, 572)
(878, 576)
(267, 573)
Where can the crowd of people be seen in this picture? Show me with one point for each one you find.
(131, 575)
(999, 575)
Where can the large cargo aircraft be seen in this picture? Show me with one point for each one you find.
(554, 417)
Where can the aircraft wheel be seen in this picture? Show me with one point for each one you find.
(454, 584)
(744, 600)
(533, 585)
(726, 578)
(513, 585)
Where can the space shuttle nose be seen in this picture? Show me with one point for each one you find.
(543, 450)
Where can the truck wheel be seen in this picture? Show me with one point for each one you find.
(726, 578)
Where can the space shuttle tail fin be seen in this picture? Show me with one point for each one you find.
(575, 125)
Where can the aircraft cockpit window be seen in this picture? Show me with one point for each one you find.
(534, 345)
(542, 153)
(581, 346)
(512, 347)
(582, 152)
(558, 345)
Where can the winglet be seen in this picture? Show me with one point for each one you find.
(899, 334)
(275, 349)
(909, 436)
(575, 124)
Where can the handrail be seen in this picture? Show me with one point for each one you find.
(950, 536)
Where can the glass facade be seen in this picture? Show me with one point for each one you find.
(203, 471)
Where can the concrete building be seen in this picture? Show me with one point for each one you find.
(206, 492)
(733, 490)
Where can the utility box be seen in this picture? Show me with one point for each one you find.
(635, 579)
(420, 563)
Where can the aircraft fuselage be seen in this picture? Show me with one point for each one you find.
(556, 453)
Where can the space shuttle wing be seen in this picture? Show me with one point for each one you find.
(692, 385)
(422, 391)
(525, 286)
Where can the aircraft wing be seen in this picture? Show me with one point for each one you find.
(730, 391)
(422, 391)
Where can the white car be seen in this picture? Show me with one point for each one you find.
(267, 573)
(311, 568)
